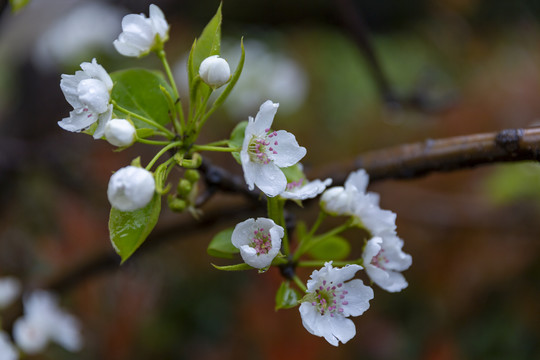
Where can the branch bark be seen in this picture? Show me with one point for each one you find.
(448, 154)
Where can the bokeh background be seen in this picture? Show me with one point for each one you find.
(445, 68)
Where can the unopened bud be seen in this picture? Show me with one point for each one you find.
(120, 132)
(176, 204)
(192, 175)
(131, 188)
(184, 187)
(215, 71)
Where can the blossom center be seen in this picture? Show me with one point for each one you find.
(261, 241)
(330, 298)
(260, 148)
(293, 185)
(380, 260)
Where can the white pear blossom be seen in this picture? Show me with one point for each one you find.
(353, 200)
(131, 188)
(303, 189)
(120, 132)
(88, 91)
(265, 151)
(7, 350)
(259, 241)
(10, 288)
(140, 34)
(45, 321)
(331, 299)
(215, 71)
(384, 260)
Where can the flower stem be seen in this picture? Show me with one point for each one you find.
(153, 142)
(214, 148)
(299, 283)
(161, 152)
(310, 242)
(320, 263)
(275, 212)
(177, 125)
(169, 133)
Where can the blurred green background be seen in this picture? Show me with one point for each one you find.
(453, 67)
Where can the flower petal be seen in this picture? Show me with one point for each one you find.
(268, 177)
(287, 149)
(357, 299)
(265, 117)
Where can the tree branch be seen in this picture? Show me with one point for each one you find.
(418, 159)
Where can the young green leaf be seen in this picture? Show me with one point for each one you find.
(237, 138)
(209, 43)
(221, 245)
(293, 173)
(332, 248)
(129, 229)
(237, 267)
(286, 297)
(17, 5)
(139, 91)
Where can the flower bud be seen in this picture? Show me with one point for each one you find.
(336, 201)
(184, 187)
(192, 175)
(176, 204)
(120, 132)
(131, 188)
(215, 71)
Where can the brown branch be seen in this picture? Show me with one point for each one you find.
(461, 152)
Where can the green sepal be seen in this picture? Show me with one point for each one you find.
(129, 229)
(139, 91)
(237, 267)
(237, 139)
(221, 245)
(332, 248)
(286, 297)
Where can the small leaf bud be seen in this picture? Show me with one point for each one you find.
(215, 71)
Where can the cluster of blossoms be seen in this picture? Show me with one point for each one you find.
(43, 322)
(270, 161)
(329, 297)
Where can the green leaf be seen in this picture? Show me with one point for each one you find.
(129, 229)
(208, 43)
(221, 245)
(237, 139)
(139, 91)
(17, 5)
(237, 267)
(332, 248)
(286, 297)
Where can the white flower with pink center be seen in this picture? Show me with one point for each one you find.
(265, 151)
(384, 260)
(303, 189)
(89, 92)
(331, 298)
(259, 241)
(140, 34)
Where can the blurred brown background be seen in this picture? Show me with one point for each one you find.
(451, 67)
